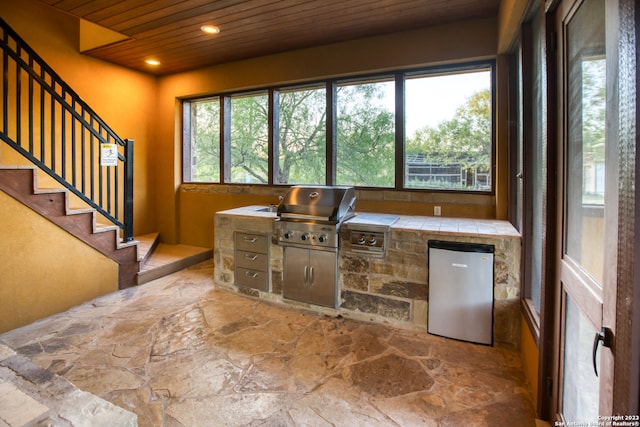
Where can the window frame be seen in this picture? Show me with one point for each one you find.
(449, 69)
(366, 80)
(331, 85)
(187, 147)
(227, 140)
(277, 98)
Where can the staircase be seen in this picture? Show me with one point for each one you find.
(59, 137)
(139, 261)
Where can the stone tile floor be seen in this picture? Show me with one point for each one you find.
(33, 396)
(178, 352)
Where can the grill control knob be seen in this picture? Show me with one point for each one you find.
(322, 238)
(362, 240)
(372, 240)
(305, 236)
(288, 234)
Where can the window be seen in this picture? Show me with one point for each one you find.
(585, 153)
(202, 156)
(448, 131)
(302, 125)
(593, 93)
(249, 145)
(531, 146)
(435, 135)
(365, 137)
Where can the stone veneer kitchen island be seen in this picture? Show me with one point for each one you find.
(392, 289)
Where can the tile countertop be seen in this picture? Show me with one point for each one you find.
(476, 227)
(439, 224)
(253, 210)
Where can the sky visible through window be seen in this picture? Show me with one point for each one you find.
(430, 100)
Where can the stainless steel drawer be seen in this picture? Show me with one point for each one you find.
(258, 243)
(252, 260)
(252, 278)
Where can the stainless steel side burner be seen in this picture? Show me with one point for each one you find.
(369, 233)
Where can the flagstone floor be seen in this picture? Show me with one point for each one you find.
(178, 352)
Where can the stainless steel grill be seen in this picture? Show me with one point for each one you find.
(308, 226)
(312, 216)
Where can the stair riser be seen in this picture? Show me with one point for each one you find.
(21, 184)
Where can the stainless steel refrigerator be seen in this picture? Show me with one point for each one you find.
(461, 291)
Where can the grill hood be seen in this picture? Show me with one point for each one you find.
(318, 203)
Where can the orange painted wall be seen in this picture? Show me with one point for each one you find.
(45, 270)
(428, 46)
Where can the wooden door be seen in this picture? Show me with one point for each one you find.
(587, 189)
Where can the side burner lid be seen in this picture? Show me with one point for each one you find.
(372, 222)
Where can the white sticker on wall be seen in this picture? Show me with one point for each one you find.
(108, 155)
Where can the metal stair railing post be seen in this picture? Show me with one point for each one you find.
(128, 192)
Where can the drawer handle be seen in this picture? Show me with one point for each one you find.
(250, 239)
(250, 258)
(250, 274)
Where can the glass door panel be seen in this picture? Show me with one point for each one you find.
(586, 138)
(580, 383)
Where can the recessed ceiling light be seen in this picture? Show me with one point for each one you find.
(210, 29)
(153, 62)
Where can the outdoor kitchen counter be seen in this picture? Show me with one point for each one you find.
(464, 226)
(436, 224)
(392, 289)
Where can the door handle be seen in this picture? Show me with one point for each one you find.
(311, 277)
(606, 337)
(250, 257)
(306, 275)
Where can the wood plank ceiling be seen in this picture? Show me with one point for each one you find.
(169, 30)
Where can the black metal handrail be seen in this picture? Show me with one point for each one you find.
(49, 124)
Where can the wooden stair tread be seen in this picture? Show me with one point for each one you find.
(167, 259)
(42, 190)
(146, 245)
